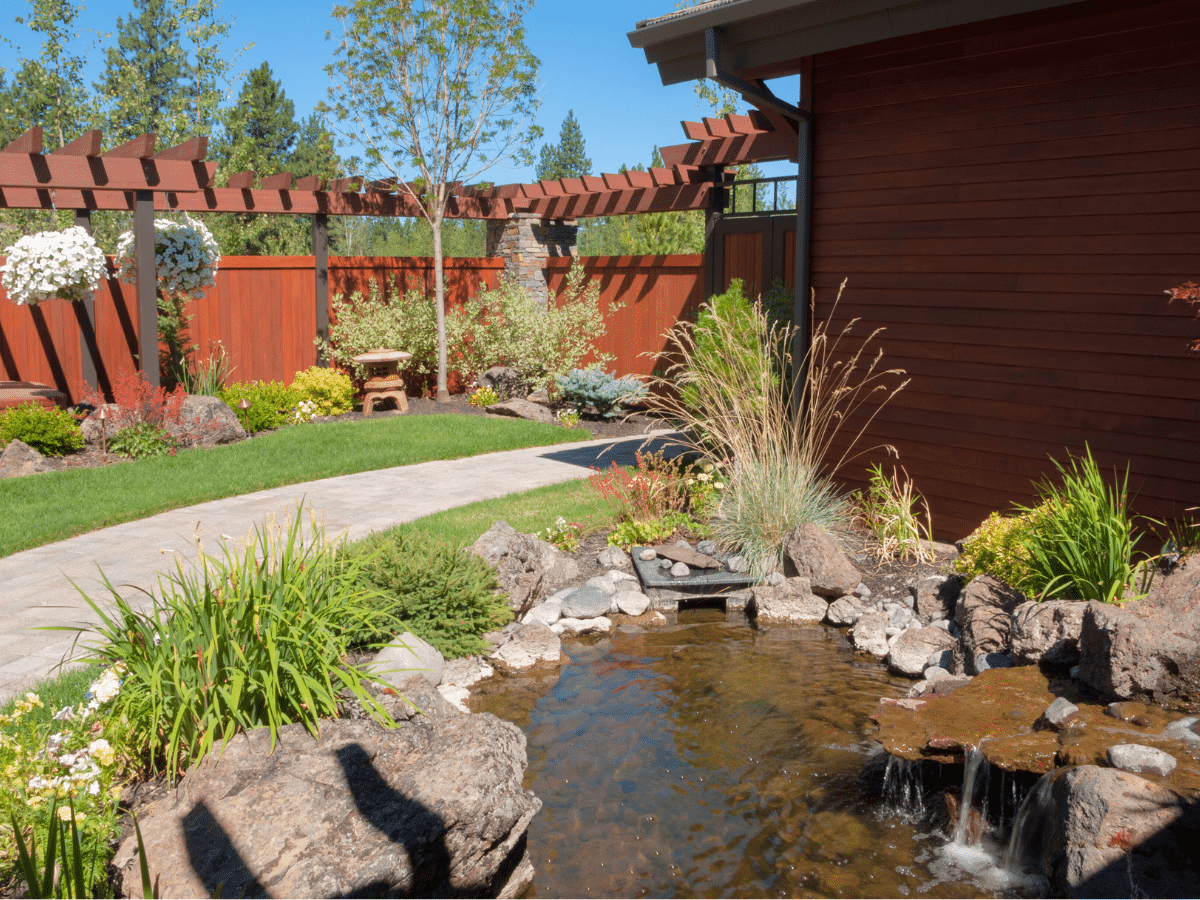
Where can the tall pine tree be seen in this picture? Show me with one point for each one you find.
(145, 72)
(568, 158)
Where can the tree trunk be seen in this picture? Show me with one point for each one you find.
(439, 300)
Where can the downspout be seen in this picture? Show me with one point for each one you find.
(760, 96)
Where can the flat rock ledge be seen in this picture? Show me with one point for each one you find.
(432, 808)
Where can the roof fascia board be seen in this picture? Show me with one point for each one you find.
(762, 33)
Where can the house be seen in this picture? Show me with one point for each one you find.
(1010, 187)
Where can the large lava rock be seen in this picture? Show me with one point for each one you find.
(984, 613)
(527, 568)
(810, 552)
(790, 603)
(1107, 833)
(935, 597)
(19, 458)
(911, 652)
(203, 422)
(1148, 650)
(433, 808)
(1047, 632)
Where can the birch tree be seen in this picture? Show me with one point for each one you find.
(436, 92)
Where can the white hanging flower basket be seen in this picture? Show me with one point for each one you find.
(67, 264)
(185, 253)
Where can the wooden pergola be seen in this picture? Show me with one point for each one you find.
(136, 177)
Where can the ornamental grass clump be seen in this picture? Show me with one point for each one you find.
(256, 636)
(889, 509)
(731, 389)
(67, 264)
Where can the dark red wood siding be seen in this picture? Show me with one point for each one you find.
(1010, 199)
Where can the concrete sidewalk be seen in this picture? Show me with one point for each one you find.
(36, 589)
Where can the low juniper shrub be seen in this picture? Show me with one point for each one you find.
(51, 432)
(606, 393)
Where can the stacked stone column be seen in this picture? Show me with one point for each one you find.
(525, 241)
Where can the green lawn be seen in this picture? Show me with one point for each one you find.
(39, 509)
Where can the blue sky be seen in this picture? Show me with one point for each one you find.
(587, 65)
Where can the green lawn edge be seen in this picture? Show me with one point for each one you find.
(40, 509)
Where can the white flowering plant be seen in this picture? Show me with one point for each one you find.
(67, 264)
(186, 257)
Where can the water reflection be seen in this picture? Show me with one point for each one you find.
(711, 759)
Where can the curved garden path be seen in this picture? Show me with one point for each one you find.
(36, 588)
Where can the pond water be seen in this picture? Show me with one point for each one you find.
(709, 758)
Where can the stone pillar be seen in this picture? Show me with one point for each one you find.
(525, 241)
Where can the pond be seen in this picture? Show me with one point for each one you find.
(710, 758)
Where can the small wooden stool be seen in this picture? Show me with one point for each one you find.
(383, 381)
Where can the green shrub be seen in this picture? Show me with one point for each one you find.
(141, 440)
(606, 393)
(253, 637)
(997, 548)
(330, 389)
(441, 594)
(271, 403)
(51, 432)
(640, 532)
(1080, 544)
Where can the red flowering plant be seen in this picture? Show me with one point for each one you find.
(149, 411)
(654, 488)
(1188, 292)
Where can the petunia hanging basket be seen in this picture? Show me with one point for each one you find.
(67, 264)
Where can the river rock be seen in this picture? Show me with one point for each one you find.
(602, 583)
(844, 611)
(632, 603)
(870, 634)
(19, 458)
(587, 602)
(465, 671)
(680, 570)
(811, 552)
(1109, 833)
(984, 613)
(1148, 650)
(862, 591)
(647, 554)
(528, 646)
(1047, 632)
(790, 603)
(934, 597)
(1139, 758)
(595, 625)
(526, 567)
(912, 649)
(406, 656)
(985, 661)
(433, 808)
(1060, 714)
(614, 558)
(547, 613)
(775, 579)
(738, 564)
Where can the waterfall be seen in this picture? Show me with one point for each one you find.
(1027, 828)
(903, 787)
(974, 764)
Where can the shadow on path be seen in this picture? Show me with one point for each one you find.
(621, 451)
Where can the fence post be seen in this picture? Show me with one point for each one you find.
(147, 285)
(320, 238)
(85, 315)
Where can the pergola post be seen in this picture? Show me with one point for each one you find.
(85, 315)
(147, 285)
(803, 279)
(320, 238)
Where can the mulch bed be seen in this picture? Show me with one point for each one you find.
(91, 456)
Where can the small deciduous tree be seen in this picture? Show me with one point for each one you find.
(439, 89)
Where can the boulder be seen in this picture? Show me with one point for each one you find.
(546, 613)
(527, 647)
(810, 552)
(465, 672)
(602, 583)
(523, 409)
(1107, 833)
(632, 603)
(1149, 650)
(911, 651)
(406, 656)
(984, 613)
(206, 422)
(790, 603)
(1139, 758)
(587, 602)
(506, 382)
(596, 625)
(526, 567)
(433, 808)
(844, 611)
(935, 597)
(870, 634)
(1047, 632)
(615, 558)
(19, 458)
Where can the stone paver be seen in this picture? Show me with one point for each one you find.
(36, 588)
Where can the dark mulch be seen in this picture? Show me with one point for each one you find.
(91, 457)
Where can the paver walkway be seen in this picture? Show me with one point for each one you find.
(36, 589)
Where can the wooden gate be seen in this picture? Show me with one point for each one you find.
(759, 249)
